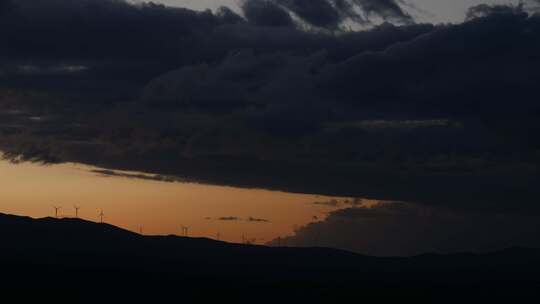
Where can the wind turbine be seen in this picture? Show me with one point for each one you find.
(185, 230)
(56, 208)
(101, 215)
(76, 211)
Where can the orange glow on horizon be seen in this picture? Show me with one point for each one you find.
(158, 207)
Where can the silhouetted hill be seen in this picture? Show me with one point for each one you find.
(85, 258)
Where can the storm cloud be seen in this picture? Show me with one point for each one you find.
(441, 115)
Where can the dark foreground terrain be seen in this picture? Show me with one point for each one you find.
(72, 261)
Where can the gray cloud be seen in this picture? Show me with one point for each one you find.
(328, 14)
(483, 10)
(390, 229)
(266, 13)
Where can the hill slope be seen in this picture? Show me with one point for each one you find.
(83, 258)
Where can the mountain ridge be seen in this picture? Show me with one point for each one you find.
(80, 254)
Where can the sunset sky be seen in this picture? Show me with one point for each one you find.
(159, 208)
(385, 127)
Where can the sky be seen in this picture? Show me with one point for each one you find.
(438, 121)
(149, 205)
(156, 207)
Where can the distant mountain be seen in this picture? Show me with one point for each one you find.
(86, 260)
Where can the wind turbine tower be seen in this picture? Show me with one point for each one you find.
(101, 215)
(56, 208)
(185, 230)
(76, 211)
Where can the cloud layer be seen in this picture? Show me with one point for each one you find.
(397, 229)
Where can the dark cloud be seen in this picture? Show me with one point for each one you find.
(327, 14)
(436, 114)
(409, 229)
(340, 203)
(229, 218)
(387, 9)
(5, 6)
(123, 46)
(330, 203)
(153, 177)
(266, 13)
(257, 220)
(484, 10)
(236, 218)
(228, 16)
(320, 13)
